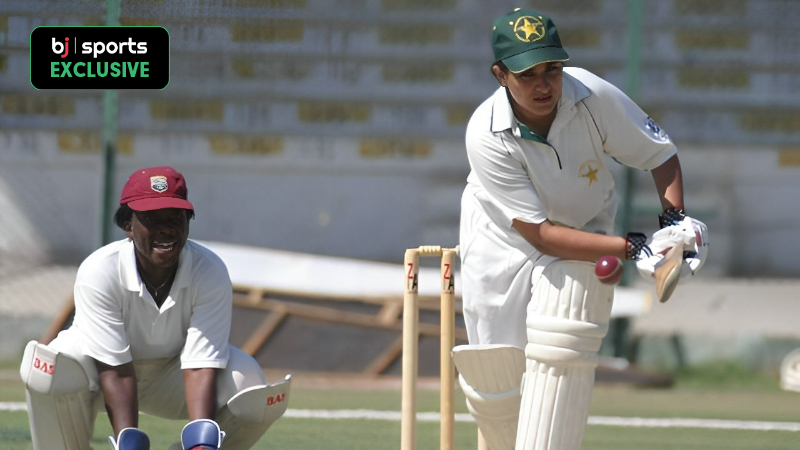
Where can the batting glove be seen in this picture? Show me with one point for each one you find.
(670, 216)
(691, 233)
(636, 247)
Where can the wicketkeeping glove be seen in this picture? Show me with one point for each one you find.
(130, 439)
(202, 434)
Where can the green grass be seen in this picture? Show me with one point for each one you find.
(730, 405)
(725, 375)
(716, 392)
(12, 391)
(14, 431)
(616, 438)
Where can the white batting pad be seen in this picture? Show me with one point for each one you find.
(251, 412)
(790, 372)
(490, 377)
(59, 401)
(567, 320)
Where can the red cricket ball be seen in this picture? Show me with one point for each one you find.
(608, 269)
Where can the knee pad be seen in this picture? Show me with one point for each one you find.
(249, 413)
(59, 400)
(567, 321)
(490, 377)
(568, 314)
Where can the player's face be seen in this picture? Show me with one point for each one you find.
(535, 91)
(159, 236)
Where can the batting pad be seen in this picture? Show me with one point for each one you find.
(567, 320)
(490, 377)
(59, 401)
(249, 414)
(790, 372)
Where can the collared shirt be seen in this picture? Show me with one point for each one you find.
(565, 177)
(119, 322)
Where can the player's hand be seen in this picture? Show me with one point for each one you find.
(668, 237)
(636, 247)
(697, 255)
(671, 217)
(202, 434)
(690, 233)
(130, 439)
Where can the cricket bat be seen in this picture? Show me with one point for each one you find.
(667, 272)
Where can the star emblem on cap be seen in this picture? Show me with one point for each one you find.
(529, 29)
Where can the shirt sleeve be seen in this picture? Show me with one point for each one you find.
(209, 327)
(630, 135)
(99, 317)
(503, 177)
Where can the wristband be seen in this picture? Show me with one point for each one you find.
(635, 243)
(670, 216)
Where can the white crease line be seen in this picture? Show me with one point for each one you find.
(638, 422)
(694, 423)
(13, 406)
(593, 420)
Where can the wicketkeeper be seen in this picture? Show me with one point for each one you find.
(150, 334)
(537, 212)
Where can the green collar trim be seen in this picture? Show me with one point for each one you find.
(526, 133)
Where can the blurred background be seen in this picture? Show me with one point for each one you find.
(336, 127)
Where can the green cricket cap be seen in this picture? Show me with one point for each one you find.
(524, 38)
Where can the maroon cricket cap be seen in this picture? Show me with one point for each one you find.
(155, 188)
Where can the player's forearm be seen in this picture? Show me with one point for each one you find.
(669, 183)
(200, 392)
(569, 243)
(118, 384)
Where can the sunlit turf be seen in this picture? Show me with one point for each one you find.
(717, 392)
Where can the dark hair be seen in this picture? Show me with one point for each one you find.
(125, 213)
(505, 69)
(122, 215)
(501, 65)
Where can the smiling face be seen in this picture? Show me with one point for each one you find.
(535, 93)
(159, 237)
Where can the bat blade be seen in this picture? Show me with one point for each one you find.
(667, 272)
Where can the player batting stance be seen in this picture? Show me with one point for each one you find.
(537, 212)
(150, 334)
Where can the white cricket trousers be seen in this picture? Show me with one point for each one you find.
(160, 381)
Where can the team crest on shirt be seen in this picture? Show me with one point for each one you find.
(529, 28)
(589, 171)
(159, 183)
(656, 131)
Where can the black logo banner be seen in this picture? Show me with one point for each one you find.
(99, 58)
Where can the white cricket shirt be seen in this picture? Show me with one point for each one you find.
(118, 321)
(516, 174)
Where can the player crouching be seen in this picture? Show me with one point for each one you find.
(150, 334)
